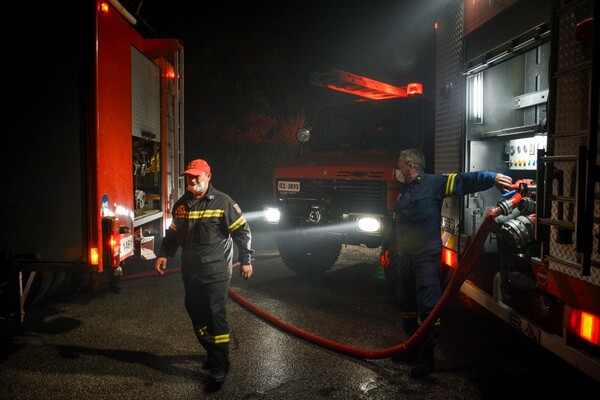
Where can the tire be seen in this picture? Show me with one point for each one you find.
(39, 287)
(306, 254)
(57, 282)
(45, 284)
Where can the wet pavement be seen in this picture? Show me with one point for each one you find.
(139, 344)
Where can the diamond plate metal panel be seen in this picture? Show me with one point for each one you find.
(573, 79)
(449, 111)
(572, 100)
(569, 52)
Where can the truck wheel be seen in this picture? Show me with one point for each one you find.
(57, 282)
(39, 287)
(44, 285)
(308, 255)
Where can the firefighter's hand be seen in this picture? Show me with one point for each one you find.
(384, 258)
(503, 182)
(160, 265)
(246, 271)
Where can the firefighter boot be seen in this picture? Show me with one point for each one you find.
(425, 363)
(408, 356)
(114, 277)
(410, 326)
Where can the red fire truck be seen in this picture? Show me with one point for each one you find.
(341, 189)
(517, 92)
(92, 169)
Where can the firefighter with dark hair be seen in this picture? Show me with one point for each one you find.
(205, 224)
(416, 235)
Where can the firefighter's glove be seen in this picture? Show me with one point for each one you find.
(384, 258)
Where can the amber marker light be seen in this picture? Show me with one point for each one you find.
(414, 88)
(94, 256)
(170, 74)
(450, 258)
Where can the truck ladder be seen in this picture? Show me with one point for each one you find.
(572, 143)
(365, 87)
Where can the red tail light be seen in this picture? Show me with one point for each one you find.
(111, 245)
(584, 325)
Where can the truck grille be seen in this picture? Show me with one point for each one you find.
(345, 196)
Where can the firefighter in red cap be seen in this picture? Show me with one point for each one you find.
(205, 224)
(416, 235)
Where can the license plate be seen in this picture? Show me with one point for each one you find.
(126, 248)
(288, 186)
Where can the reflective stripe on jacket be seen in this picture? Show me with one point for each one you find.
(202, 227)
(418, 210)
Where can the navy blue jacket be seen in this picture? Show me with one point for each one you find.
(418, 210)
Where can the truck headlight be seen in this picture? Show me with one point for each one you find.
(368, 224)
(271, 214)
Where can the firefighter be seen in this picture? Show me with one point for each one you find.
(416, 235)
(205, 224)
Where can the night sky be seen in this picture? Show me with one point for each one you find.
(256, 56)
(390, 40)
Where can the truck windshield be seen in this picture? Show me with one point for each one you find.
(371, 125)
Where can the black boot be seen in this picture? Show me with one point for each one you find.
(410, 326)
(425, 364)
(114, 278)
(408, 356)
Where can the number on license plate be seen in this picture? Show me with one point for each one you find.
(288, 186)
(126, 247)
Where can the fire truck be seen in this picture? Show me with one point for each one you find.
(342, 187)
(517, 93)
(93, 168)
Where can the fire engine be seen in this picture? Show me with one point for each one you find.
(341, 189)
(94, 166)
(517, 93)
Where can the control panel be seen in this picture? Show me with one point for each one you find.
(522, 153)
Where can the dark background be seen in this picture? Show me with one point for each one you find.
(247, 67)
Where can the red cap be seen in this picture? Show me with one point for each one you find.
(196, 167)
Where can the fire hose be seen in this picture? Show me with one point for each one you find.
(460, 274)
(465, 266)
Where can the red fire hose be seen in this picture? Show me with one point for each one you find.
(460, 274)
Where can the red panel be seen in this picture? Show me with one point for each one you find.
(477, 12)
(113, 141)
(155, 48)
(574, 291)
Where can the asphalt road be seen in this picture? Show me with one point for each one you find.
(139, 344)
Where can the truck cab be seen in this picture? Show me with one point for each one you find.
(341, 188)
